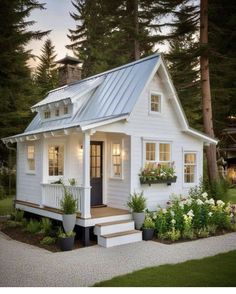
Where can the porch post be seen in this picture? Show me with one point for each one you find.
(86, 197)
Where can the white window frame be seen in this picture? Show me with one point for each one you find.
(56, 177)
(49, 112)
(196, 168)
(30, 171)
(112, 176)
(151, 112)
(157, 151)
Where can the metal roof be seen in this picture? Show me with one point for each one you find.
(111, 94)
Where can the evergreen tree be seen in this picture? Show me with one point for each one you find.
(183, 61)
(46, 77)
(15, 78)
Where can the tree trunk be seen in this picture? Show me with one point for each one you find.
(136, 33)
(206, 92)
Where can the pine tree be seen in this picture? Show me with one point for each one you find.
(16, 91)
(183, 61)
(46, 77)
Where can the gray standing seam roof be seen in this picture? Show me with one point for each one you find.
(112, 94)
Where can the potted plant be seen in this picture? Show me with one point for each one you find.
(137, 204)
(69, 208)
(66, 240)
(148, 228)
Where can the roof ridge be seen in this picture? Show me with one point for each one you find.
(109, 71)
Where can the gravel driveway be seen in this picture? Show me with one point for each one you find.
(26, 265)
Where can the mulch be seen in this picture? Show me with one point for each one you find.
(18, 234)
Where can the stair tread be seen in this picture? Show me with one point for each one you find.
(114, 223)
(121, 234)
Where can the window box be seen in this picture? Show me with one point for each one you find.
(168, 181)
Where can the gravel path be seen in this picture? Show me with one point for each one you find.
(26, 265)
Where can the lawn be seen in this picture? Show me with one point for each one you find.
(6, 206)
(216, 271)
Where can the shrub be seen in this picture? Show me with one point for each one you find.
(33, 226)
(68, 203)
(18, 215)
(46, 226)
(48, 241)
(66, 235)
(72, 182)
(137, 202)
(148, 223)
(13, 224)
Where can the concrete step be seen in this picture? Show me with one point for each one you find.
(113, 227)
(115, 239)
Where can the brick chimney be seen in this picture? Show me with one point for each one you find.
(69, 70)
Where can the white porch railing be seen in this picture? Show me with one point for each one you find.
(52, 195)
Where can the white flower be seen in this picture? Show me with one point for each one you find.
(204, 195)
(210, 201)
(210, 214)
(189, 201)
(199, 202)
(232, 215)
(173, 221)
(181, 204)
(154, 216)
(164, 210)
(220, 202)
(172, 213)
(190, 213)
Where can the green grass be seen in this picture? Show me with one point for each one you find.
(216, 271)
(6, 206)
(231, 195)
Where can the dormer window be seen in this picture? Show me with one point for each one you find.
(57, 112)
(155, 103)
(66, 110)
(47, 114)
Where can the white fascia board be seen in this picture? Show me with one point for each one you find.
(205, 138)
(103, 123)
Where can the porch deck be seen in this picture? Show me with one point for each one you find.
(96, 212)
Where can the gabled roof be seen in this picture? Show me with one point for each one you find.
(106, 97)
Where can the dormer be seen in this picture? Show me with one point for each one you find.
(55, 111)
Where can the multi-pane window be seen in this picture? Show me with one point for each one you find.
(116, 160)
(31, 158)
(155, 103)
(150, 151)
(56, 160)
(66, 110)
(158, 152)
(189, 167)
(95, 157)
(47, 114)
(57, 112)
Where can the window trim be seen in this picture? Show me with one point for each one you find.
(153, 92)
(27, 170)
(186, 151)
(157, 150)
(112, 176)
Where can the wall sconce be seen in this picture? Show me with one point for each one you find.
(81, 147)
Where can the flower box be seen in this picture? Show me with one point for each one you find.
(168, 181)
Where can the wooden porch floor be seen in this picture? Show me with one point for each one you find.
(96, 212)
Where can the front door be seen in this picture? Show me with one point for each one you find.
(96, 172)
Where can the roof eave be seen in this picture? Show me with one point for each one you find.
(206, 139)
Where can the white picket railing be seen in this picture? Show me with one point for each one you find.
(52, 195)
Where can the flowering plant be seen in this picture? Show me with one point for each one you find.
(156, 172)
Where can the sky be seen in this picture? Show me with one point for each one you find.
(55, 17)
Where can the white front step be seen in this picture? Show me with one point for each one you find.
(113, 227)
(116, 239)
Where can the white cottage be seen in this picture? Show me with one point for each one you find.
(101, 131)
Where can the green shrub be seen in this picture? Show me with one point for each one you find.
(48, 241)
(13, 224)
(173, 235)
(46, 226)
(18, 215)
(66, 235)
(202, 233)
(137, 202)
(148, 223)
(68, 203)
(33, 226)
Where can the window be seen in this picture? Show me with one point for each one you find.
(47, 114)
(155, 103)
(56, 160)
(57, 112)
(31, 158)
(189, 167)
(66, 110)
(158, 152)
(116, 160)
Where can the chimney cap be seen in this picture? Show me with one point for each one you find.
(69, 60)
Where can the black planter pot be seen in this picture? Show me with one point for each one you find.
(67, 243)
(148, 234)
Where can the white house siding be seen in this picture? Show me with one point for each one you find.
(29, 185)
